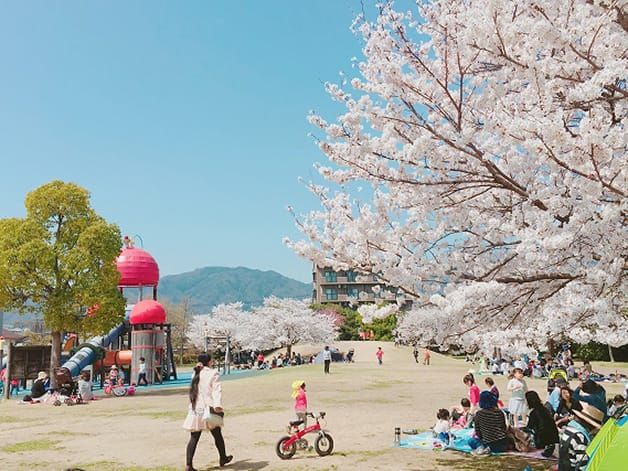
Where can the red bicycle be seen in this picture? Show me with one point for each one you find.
(323, 443)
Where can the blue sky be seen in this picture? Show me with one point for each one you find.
(186, 121)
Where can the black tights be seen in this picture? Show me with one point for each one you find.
(194, 438)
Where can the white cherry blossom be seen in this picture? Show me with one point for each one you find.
(492, 135)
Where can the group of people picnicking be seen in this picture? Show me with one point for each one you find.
(567, 419)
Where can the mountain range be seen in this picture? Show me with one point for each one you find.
(210, 286)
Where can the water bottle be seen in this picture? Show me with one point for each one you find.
(397, 436)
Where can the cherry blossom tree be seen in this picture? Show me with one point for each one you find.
(278, 323)
(371, 311)
(291, 321)
(224, 320)
(480, 166)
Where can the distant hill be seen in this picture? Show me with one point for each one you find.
(210, 286)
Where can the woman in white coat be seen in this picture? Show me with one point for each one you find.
(205, 391)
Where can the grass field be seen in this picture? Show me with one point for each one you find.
(364, 403)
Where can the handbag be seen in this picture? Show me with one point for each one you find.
(212, 418)
(523, 441)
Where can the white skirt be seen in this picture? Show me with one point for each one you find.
(517, 406)
(194, 420)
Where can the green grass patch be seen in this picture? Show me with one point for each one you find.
(8, 419)
(32, 445)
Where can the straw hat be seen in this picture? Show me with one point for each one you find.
(591, 414)
(42, 375)
(296, 385)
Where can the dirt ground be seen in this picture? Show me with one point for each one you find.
(364, 403)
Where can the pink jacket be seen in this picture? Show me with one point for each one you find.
(474, 395)
(300, 403)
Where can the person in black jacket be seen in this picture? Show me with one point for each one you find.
(542, 424)
(39, 385)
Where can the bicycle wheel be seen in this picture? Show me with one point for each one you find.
(283, 452)
(324, 444)
(119, 391)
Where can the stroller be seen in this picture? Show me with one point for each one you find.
(67, 389)
(554, 374)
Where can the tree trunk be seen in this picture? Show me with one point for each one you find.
(289, 351)
(55, 356)
(610, 353)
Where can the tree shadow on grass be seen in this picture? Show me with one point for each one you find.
(244, 465)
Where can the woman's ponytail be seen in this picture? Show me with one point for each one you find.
(194, 386)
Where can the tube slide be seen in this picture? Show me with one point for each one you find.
(86, 354)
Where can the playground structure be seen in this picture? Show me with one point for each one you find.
(144, 333)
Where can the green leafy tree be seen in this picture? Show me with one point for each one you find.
(350, 320)
(384, 328)
(59, 260)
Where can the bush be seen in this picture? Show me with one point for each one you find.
(383, 329)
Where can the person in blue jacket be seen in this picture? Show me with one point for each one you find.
(592, 393)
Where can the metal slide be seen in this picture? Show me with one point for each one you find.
(86, 354)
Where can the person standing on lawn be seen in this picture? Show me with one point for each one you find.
(327, 358)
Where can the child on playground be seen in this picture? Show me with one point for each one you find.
(15, 387)
(441, 428)
(113, 375)
(141, 376)
(300, 401)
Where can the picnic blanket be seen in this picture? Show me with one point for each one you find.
(460, 442)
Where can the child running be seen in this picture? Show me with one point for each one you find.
(300, 401)
(380, 355)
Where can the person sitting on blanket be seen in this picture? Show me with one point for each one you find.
(592, 393)
(461, 416)
(566, 406)
(541, 424)
(615, 404)
(490, 426)
(441, 429)
(576, 436)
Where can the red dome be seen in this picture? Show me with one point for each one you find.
(148, 312)
(137, 268)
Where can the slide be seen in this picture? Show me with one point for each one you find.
(87, 354)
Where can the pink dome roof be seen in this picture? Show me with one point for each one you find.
(148, 312)
(137, 268)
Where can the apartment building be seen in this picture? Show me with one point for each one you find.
(346, 287)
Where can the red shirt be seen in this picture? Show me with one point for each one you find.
(379, 353)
